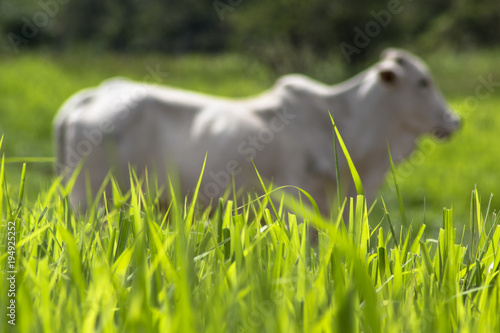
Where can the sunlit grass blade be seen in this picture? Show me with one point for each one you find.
(352, 168)
(337, 172)
(21, 187)
(267, 194)
(190, 214)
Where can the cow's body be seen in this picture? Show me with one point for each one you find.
(286, 131)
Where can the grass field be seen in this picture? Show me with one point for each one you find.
(137, 270)
(33, 86)
(132, 268)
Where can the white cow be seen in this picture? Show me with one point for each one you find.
(286, 130)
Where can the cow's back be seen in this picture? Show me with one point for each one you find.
(120, 123)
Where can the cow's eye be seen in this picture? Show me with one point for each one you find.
(423, 83)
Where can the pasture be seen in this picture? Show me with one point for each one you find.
(33, 87)
(128, 268)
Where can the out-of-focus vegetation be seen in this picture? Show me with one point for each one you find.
(288, 35)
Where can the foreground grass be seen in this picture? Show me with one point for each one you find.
(129, 267)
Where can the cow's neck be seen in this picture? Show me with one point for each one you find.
(367, 130)
(342, 100)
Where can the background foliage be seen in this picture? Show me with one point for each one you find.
(286, 34)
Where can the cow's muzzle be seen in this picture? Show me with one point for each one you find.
(452, 124)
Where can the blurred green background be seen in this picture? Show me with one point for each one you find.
(287, 35)
(50, 49)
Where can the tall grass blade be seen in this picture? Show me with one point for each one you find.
(352, 168)
(190, 215)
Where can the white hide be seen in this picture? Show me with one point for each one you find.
(285, 130)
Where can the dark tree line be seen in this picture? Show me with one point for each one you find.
(296, 30)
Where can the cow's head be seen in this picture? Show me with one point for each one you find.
(409, 85)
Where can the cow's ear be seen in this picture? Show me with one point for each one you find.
(387, 53)
(388, 76)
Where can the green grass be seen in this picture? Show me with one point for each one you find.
(129, 267)
(132, 267)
